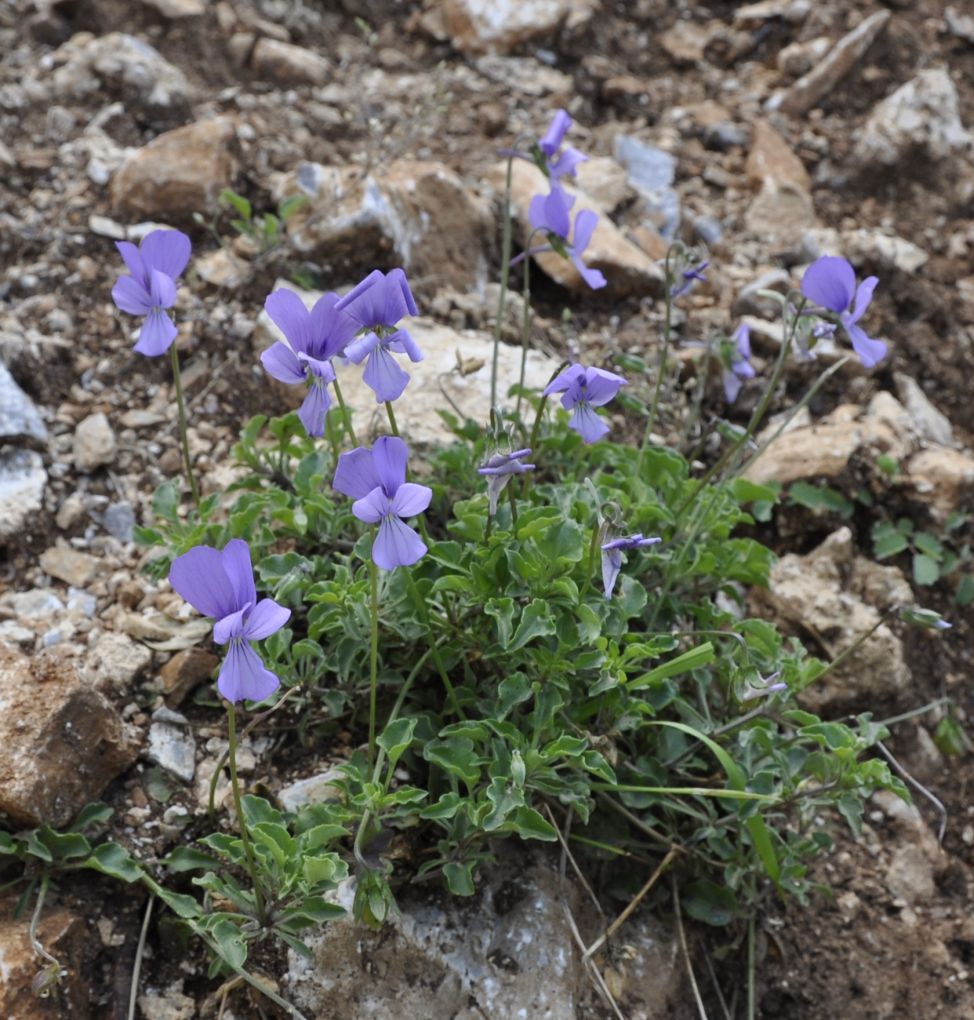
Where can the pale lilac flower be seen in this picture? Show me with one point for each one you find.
(612, 558)
(221, 585)
(377, 304)
(150, 290)
(551, 213)
(376, 480)
(831, 283)
(737, 363)
(585, 389)
(565, 162)
(765, 689)
(498, 470)
(313, 338)
(688, 278)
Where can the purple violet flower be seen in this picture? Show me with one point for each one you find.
(498, 470)
(585, 389)
(377, 304)
(688, 278)
(313, 338)
(149, 287)
(831, 283)
(551, 213)
(221, 584)
(376, 480)
(565, 163)
(765, 689)
(612, 558)
(737, 363)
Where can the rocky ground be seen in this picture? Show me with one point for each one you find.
(766, 134)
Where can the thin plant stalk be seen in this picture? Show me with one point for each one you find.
(238, 807)
(513, 501)
(51, 974)
(593, 550)
(420, 605)
(332, 438)
(139, 953)
(392, 418)
(183, 433)
(525, 325)
(664, 355)
(751, 971)
(346, 415)
(373, 658)
(506, 243)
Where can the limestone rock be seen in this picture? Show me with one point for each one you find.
(627, 269)
(921, 118)
(116, 662)
(172, 745)
(928, 422)
(652, 172)
(883, 248)
(288, 64)
(175, 10)
(781, 213)
(315, 789)
(481, 26)
(507, 952)
(847, 53)
(455, 370)
(421, 214)
(799, 58)
(809, 593)
(604, 181)
(22, 482)
(185, 671)
(94, 443)
(178, 173)
(943, 477)
(69, 565)
(61, 742)
(771, 157)
(62, 933)
(127, 68)
(19, 418)
(825, 448)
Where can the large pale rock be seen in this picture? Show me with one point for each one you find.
(809, 593)
(943, 478)
(771, 157)
(508, 952)
(124, 66)
(179, 173)
(920, 119)
(19, 418)
(847, 53)
(928, 422)
(480, 26)
(116, 662)
(825, 448)
(62, 934)
(69, 565)
(453, 376)
(22, 483)
(652, 172)
(61, 742)
(627, 269)
(781, 213)
(288, 64)
(94, 443)
(421, 214)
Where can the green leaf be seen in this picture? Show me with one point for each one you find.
(165, 502)
(91, 815)
(502, 610)
(512, 690)
(712, 904)
(230, 943)
(926, 543)
(115, 861)
(529, 824)
(7, 844)
(888, 541)
(395, 738)
(694, 658)
(456, 755)
(950, 736)
(231, 199)
(185, 858)
(964, 595)
(64, 846)
(289, 206)
(459, 877)
(925, 569)
(445, 808)
(536, 621)
(180, 904)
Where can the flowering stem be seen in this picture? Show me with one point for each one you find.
(346, 415)
(420, 606)
(373, 658)
(505, 277)
(513, 502)
(392, 418)
(593, 550)
(238, 807)
(525, 329)
(664, 354)
(332, 438)
(183, 435)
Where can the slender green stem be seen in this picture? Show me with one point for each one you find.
(346, 414)
(332, 438)
(506, 243)
(420, 605)
(183, 434)
(139, 953)
(513, 501)
(392, 418)
(238, 807)
(373, 657)
(751, 971)
(664, 355)
(525, 327)
(52, 973)
(593, 550)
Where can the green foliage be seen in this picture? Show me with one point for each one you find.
(613, 710)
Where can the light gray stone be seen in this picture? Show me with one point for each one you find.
(116, 662)
(310, 790)
(929, 423)
(19, 418)
(172, 745)
(484, 26)
(22, 483)
(94, 443)
(652, 173)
